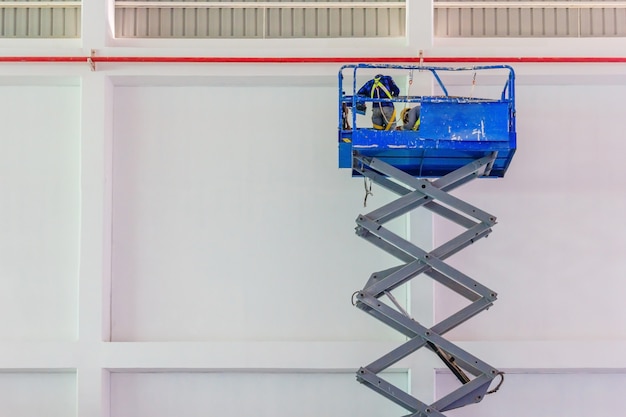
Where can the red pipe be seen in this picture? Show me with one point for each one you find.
(43, 59)
(310, 60)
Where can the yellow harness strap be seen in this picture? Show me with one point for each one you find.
(405, 119)
(417, 124)
(377, 84)
(392, 119)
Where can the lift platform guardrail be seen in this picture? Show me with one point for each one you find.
(454, 130)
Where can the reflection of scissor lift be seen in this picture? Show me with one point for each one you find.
(460, 139)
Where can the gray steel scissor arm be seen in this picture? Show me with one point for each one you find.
(474, 375)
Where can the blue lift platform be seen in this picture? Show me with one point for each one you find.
(454, 130)
(460, 138)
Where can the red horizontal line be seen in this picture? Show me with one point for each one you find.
(307, 60)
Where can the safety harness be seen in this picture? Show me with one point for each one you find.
(416, 126)
(375, 88)
(404, 116)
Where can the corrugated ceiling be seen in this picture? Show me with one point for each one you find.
(318, 18)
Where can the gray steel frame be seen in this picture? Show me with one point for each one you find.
(432, 195)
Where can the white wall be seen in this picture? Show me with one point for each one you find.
(40, 211)
(241, 394)
(26, 394)
(555, 257)
(545, 394)
(230, 218)
(178, 238)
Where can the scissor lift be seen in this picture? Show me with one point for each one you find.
(460, 139)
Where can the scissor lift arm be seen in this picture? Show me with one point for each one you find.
(460, 139)
(434, 196)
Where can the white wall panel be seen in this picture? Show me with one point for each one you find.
(39, 212)
(231, 220)
(246, 394)
(38, 394)
(555, 258)
(573, 393)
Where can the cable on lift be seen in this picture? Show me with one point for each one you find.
(397, 304)
(352, 297)
(473, 86)
(501, 375)
(368, 190)
(408, 90)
